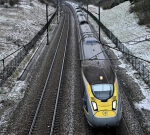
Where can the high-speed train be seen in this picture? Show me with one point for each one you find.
(102, 100)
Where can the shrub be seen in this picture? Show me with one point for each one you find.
(2, 2)
(107, 4)
(142, 9)
(10, 2)
(13, 2)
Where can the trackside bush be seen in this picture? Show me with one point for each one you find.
(142, 9)
(10, 2)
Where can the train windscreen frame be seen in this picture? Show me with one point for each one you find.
(103, 91)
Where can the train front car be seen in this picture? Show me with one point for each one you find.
(102, 103)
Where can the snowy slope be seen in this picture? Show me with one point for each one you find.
(18, 25)
(125, 26)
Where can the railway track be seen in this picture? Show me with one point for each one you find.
(43, 119)
(54, 107)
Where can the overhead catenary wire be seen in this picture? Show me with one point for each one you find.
(127, 53)
(109, 47)
(133, 40)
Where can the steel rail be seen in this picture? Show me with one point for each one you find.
(126, 126)
(46, 83)
(60, 80)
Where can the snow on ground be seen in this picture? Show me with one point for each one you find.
(125, 26)
(18, 25)
(15, 93)
(145, 103)
(9, 98)
(4, 118)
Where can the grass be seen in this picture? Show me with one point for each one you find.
(22, 64)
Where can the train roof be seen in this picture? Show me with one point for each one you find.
(95, 63)
(85, 28)
(92, 49)
(82, 19)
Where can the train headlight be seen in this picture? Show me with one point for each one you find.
(114, 105)
(94, 106)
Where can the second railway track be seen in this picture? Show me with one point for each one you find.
(43, 119)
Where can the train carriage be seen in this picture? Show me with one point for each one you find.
(102, 100)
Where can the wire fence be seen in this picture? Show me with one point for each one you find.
(9, 63)
(137, 63)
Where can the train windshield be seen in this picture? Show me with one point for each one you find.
(102, 91)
